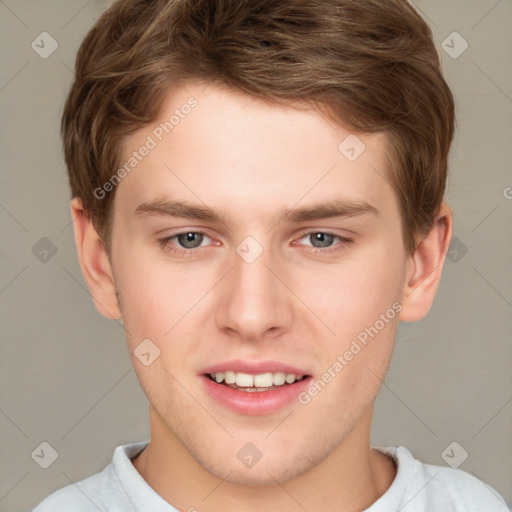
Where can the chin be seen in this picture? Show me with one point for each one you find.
(255, 477)
(268, 471)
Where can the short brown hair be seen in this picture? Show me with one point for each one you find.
(371, 65)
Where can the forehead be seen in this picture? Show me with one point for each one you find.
(230, 151)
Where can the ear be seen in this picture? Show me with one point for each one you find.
(424, 268)
(94, 263)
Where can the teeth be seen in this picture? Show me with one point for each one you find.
(244, 380)
(229, 377)
(262, 380)
(279, 378)
(290, 378)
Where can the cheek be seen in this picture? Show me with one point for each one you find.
(360, 303)
(162, 303)
(152, 299)
(352, 295)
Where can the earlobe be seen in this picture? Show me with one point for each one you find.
(425, 267)
(94, 263)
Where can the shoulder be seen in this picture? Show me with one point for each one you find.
(97, 492)
(80, 497)
(463, 490)
(103, 491)
(433, 487)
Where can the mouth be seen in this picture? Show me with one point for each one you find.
(254, 383)
(254, 388)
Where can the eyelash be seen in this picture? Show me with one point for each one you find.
(165, 243)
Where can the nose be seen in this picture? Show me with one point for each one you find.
(254, 302)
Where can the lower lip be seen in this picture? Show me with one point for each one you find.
(257, 403)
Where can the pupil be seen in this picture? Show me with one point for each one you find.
(323, 238)
(187, 240)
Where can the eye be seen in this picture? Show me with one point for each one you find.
(323, 240)
(190, 240)
(187, 241)
(320, 239)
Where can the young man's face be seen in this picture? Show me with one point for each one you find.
(212, 303)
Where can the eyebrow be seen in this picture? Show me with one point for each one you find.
(323, 210)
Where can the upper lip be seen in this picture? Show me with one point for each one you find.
(253, 367)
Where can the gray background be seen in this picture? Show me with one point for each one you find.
(66, 375)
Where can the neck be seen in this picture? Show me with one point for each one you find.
(351, 478)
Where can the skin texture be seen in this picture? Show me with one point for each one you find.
(248, 160)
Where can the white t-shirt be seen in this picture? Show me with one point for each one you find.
(417, 487)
